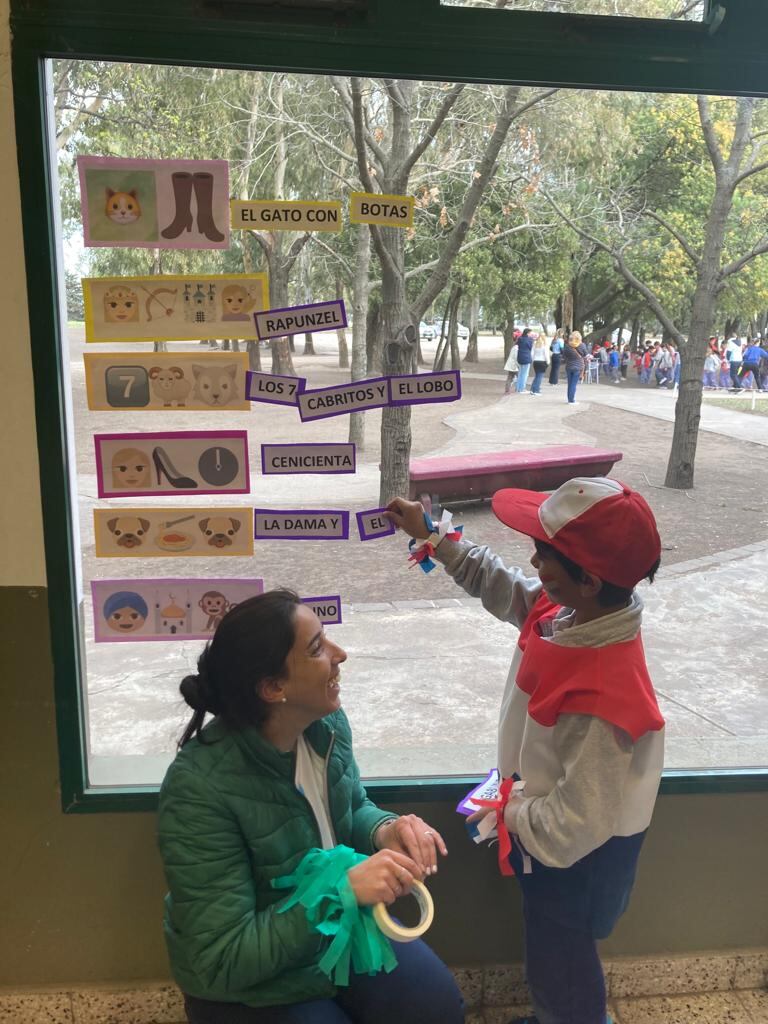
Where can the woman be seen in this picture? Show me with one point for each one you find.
(575, 354)
(524, 355)
(539, 357)
(271, 777)
(555, 351)
(512, 367)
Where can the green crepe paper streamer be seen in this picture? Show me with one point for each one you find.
(321, 886)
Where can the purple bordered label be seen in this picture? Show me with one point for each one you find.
(273, 388)
(487, 790)
(372, 523)
(327, 609)
(419, 388)
(300, 524)
(315, 316)
(283, 459)
(345, 398)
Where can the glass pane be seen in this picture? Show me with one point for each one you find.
(688, 10)
(427, 665)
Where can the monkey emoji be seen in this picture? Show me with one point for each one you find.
(215, 606)
(128, 530)
(130, 469)
(219, 530)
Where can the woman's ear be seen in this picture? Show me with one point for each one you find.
(271, 691)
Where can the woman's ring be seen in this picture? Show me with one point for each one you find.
(429, 833)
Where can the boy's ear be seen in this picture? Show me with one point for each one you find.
(590, 584)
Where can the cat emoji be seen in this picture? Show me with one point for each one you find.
(122, 207)
(214, 385)
(121, 305)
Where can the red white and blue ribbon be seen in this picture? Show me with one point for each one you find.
(421, 554)
(505, 839)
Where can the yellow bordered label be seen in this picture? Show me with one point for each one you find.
(385, 210)
(286, 215)
(172, 532)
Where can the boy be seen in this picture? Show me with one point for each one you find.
(579, 722)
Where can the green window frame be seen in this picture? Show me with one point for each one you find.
(391, 38)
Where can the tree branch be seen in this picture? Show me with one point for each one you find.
(735, 266)
(748, 173)
(710, 138)
(686, 246)
(432, 130)
(347, 103)
(335, 255)
(293, 252)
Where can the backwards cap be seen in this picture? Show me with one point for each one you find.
(600, 524)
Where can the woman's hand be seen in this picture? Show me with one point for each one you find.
(408, 516)
(411, 835)
(383, 877)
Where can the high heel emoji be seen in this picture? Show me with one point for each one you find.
(164, 467)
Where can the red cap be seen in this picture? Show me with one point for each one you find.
(600, 524)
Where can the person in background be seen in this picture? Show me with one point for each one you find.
(733, 355)
(574, 355)
(711, 370)
(625, 359)
(270, 788)
(540, 361)
(753, 353)
(614, 364)
(512, 367)
(725, 369)
(677, 365)
(524, 359)
(648, 357)
(556, 355)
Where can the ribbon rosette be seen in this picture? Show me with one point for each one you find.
(321, 886)
(505, 839)
(421, 555)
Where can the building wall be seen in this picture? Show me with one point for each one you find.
(81, 895)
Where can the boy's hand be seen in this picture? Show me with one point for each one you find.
(408, 516)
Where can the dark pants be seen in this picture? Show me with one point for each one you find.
(554, 370)
(539, 369)
(754, 369)
(566, 910)
(573, 380)
(734, 371)
(420, 990)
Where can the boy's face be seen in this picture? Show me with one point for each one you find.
(558, 585)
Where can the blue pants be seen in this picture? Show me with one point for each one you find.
(522, 376)
(565, 911)
(573, 380)
(420, 990)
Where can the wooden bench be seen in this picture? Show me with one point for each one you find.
(474, 477)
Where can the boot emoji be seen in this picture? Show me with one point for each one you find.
(182, 195)
(203, 184)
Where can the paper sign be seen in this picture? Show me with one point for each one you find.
(273, 388)
(300, 524)
(316, 316)
(327, 609)
(172, 532)
(373, 208)
(344, 398)
(165, 609)
(279, 459)
(163, 380)
(169, 307)
(419, 388)
(182, 462)
(488, 789)
(373, 524)
(284, 215)
(154, 204)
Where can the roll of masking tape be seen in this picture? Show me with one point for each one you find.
(397, 932)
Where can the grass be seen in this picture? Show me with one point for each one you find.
(741, 405)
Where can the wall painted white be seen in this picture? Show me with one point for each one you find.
(21, 525)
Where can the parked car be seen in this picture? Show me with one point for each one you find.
(461, 331)
(426, 331)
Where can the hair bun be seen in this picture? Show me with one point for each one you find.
(196, 691)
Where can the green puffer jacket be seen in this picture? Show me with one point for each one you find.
(231, 820)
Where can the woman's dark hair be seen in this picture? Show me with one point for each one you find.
(609, 593)
(251, 643)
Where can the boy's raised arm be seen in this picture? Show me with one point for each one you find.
(505, 592)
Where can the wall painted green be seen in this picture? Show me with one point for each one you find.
(81, 894)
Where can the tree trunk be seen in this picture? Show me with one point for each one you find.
(254, 356)
(634, 338)
(225, 344)
(360, 293)
(508, 331)
(566, 309)
(474, 314)
(309, 345)
(731, 326)
(341, 334)
(399, 340)
(282, 361)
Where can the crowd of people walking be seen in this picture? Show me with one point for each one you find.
(732, 364)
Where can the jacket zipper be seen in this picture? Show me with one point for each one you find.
(325, 787)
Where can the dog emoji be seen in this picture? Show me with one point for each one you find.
(128, 530)
(169, 385)
(219, 530)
